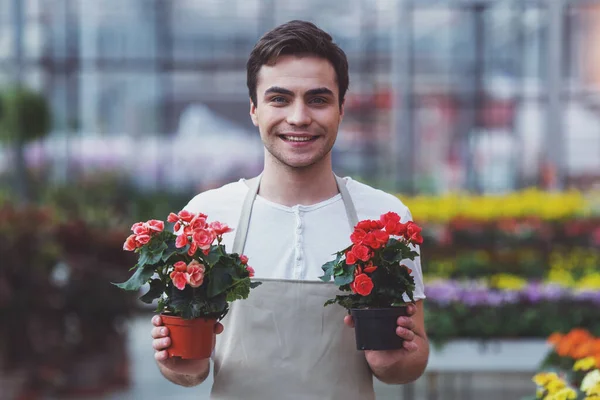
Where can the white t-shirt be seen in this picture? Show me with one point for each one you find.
(292, 243)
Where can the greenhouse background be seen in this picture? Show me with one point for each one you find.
(483, 116)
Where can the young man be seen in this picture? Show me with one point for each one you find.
(282, 342)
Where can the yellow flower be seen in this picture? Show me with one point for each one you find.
(543, 378)
(585, 364)
(590, 282)
(560, 277)
(507, 282)
(591, 383)
(565, 393)
(555, 385)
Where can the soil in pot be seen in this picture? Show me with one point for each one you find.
(190, 338)
(375, 328)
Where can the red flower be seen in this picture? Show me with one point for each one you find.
(377, 239)
(244, 259)
(362, 285)
(413, 233)
(369, 225)
(370, 268)
(350, 258)
(250, 270)
(361, 252)
(408, 269)
(392, 224)
(358, 236)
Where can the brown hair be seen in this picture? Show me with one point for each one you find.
(296, 37)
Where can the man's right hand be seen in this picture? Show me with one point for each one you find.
(161, 342)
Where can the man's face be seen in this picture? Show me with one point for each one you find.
(297, 110)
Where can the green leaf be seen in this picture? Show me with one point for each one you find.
(139, 278)
(346, 277)
(255, 284)
(220, 280)
(156, 289)
(240, 291)
(328, 271)
(214, 255)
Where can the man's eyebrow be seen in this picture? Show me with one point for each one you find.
(321, 90)
(279, 90)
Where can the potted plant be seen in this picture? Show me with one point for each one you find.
(192, 276)
(371, 270)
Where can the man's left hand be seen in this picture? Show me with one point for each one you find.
(404, 330)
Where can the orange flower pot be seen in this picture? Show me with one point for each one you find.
(190, 338)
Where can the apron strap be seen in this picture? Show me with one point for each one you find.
(242, 229)
(244, 222)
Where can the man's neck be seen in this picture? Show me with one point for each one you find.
(290, 187)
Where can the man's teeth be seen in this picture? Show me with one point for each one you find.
(298, 138)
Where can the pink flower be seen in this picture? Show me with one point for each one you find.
(130, 244)
(156, 225)
(192, 249)
(199, 222)
(180, 266)
(185, 216)
(203, 238)
(250, 270)
(142, 239)
(140, 228)
(244, 259)
(181, 241)
(179, 279)
(172, 218)
(195, 273)
(220, 228)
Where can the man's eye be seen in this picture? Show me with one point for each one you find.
(278, 99)
(318, 100)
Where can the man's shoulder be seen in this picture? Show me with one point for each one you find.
(227, 197)
(371, 202)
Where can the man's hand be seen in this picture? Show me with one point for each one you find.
(404, 364)
(404, 330)
(161, 343)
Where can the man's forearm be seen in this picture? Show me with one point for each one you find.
(405, 369)
(187, 380)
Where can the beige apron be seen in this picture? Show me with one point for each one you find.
(282, 343)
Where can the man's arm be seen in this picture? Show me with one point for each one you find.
(407, 364)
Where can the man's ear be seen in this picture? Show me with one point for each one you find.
(253, 113)
(342, 110)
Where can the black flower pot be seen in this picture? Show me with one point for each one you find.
(375, 328)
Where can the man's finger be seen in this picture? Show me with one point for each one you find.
(157, 320)
(405, 334)
(218, 328)
(410, 346)
(406, 322)
(161, 344)
(159, 332)
(161, 355)
(411, 309)
(348, 320)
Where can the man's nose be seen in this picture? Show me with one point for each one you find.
(299, 115)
